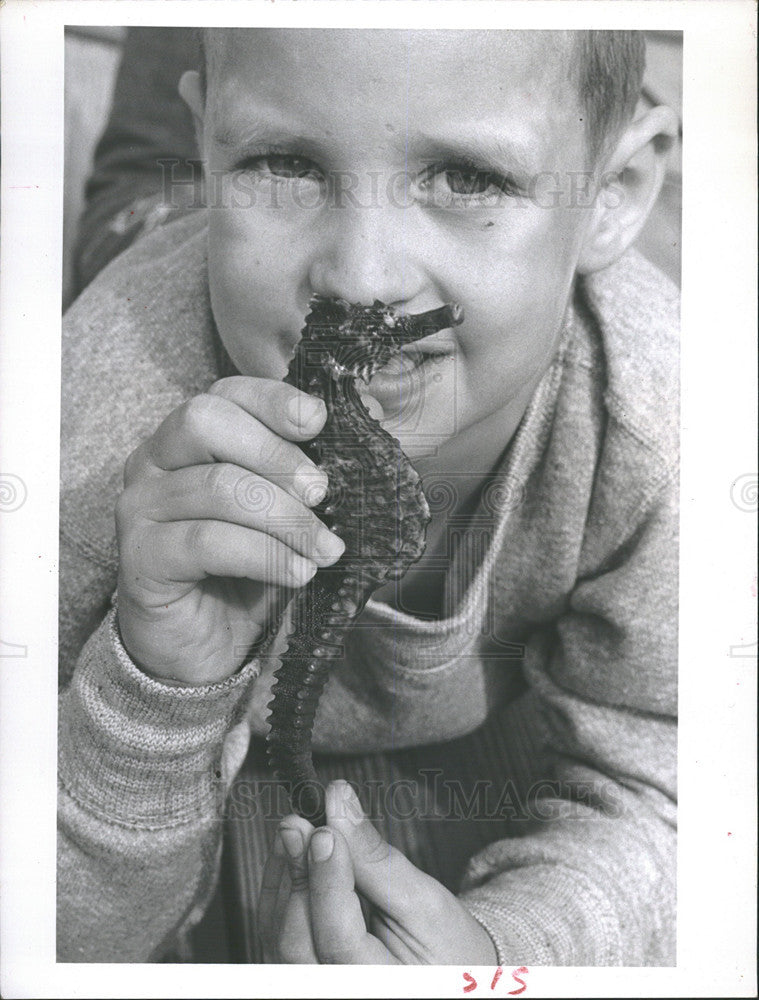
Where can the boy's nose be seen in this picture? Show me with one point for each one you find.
(367, 254)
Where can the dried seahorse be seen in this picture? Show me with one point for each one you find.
(375, 504)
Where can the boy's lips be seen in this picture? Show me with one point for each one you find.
(404, 376)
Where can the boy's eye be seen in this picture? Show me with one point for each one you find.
(468, 181)
(283, 165)
(460, 185)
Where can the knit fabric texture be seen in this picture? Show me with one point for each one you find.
(552, 675)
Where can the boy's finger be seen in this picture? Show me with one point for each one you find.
(225, 492)
(188, 551)
(295, 943)
(338, 927)
(284, 409)
(210, 428)
(268, 897)
(383, 874)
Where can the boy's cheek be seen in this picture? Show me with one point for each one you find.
(253, 258)
(251, 315)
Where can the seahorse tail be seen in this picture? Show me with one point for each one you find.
(323, 611)
(300, 681)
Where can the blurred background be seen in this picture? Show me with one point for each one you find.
(92, 58)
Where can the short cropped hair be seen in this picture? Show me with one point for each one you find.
(606, 67)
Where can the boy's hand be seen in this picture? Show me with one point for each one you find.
(213, 521)
(310, 911)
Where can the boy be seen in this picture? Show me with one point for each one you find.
(506, 171)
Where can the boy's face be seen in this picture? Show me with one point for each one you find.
(413, 167)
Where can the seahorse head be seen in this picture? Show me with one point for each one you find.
(356, 340)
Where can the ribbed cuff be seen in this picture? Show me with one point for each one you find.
(547, 915)
(139, 752)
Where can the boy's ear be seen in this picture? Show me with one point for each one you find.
(191, 94)
(628, 188)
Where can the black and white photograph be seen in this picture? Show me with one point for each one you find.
(376, 568)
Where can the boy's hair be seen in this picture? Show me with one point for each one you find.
(606, 68)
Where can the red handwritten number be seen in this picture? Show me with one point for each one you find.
(515, 975)
(471, 983)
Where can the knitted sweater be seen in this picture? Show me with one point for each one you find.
(564, 580)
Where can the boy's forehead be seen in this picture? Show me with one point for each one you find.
(366, 88)
(452, 60)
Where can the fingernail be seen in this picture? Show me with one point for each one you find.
(293, 841)
(301, 570)
(351, 807)
(329, 545)
(321, 845)
(303, 410)
(310, 484)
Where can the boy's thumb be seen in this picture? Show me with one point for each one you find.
(383, 874)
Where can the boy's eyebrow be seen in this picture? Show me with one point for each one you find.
(490, 148)
(510, 154)
(231, 137)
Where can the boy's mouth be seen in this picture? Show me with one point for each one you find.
(406, 375)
